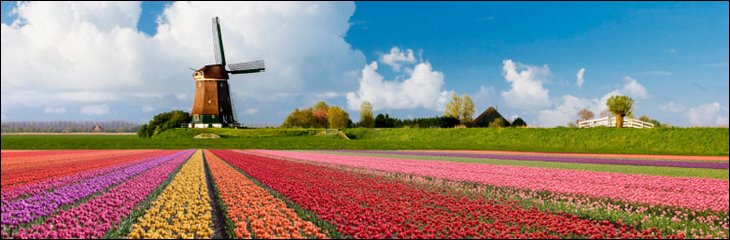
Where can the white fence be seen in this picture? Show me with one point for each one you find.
(611, 122)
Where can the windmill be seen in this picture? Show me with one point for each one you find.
(212, 106)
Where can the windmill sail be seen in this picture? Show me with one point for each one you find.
(220, 57)
(247, 67)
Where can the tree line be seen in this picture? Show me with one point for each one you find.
(68, 126)
(459, 112)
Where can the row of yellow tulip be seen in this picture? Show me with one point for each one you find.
(252, 207)
(182, 210)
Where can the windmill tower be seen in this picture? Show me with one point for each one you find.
(212, 105)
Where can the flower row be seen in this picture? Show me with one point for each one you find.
(693, 193)
(563, 159)
(249, 206)
(22, 171)
(367, 206)
(102, 213)
(46, 203)
(182, 210)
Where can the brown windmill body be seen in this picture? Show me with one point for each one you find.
(212, 106)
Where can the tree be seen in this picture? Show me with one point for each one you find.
(467, 110)
(605, 113)
(620, 106)
(585, 114)
(164, 121)
(498, 122)
(337, 117)
(320, 111)
(656, 123)
(366, 115)
(518, 122)
(300, 118)
(572, 125)
(453, 108)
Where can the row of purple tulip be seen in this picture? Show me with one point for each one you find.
(97, 216)
(45, 203)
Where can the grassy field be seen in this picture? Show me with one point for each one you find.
(676, 141)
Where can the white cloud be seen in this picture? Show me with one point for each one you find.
(633, 88)
(252, 111)
(76, 53)
(579, 77)
(54, 110)
(95, 109)
(148, 109)
(423, 87)
(673, 107)
(527, 92)
(485, 97)
(328, 95)
(396, 57)
(566, 110)
(711, 114)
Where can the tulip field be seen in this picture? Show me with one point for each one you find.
(360, 194)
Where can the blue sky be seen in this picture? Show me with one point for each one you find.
(672, 57)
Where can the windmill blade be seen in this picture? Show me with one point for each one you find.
(247, 67)
(220, 57)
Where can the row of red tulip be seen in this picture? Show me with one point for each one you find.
(367, 206)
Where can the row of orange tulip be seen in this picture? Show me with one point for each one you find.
(252, 207)
(182, 210)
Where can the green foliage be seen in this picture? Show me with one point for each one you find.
(301, 118)
(385, 121)
(620, 105)
(453, 107)
(366, 115)
(467, 110)
(498, 123)
(164, 121)
(317, 116)
(337, 117)
(518, 122)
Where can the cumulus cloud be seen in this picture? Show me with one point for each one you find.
(566, 110)
(95, 109)
(527, 92)
(633, 88)
(77, 53)
(395, 58)
(423, 87)
(579, 77)
(673, 107)
(711, 114)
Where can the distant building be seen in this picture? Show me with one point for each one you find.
(488, 116)
(98, 128)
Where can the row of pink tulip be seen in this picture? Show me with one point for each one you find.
(693, 193)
